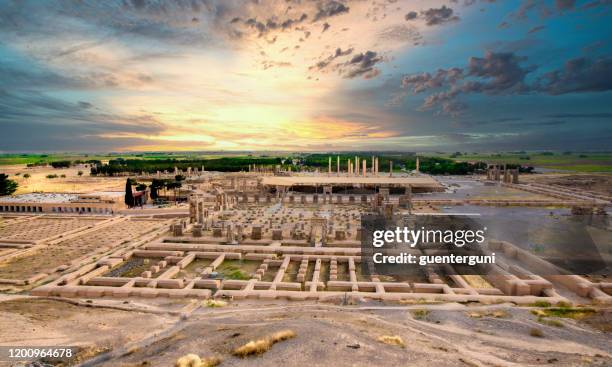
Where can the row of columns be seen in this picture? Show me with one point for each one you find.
(354, 168)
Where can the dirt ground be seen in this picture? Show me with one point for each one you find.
(599, 183)
(42, 322)
(326, 334)
(38, 181)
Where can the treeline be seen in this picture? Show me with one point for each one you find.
(64, 163)
(226, 164)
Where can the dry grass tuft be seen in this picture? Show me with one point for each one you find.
(392, 340)
(260, 346)
(477, 281)
(189, 360)
(498, 314)
(215, 303)
(193, 360)
(254, 347)
(211, 362)
(282, 335)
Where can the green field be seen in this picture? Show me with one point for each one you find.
(26, 158)
(570, 161)
(435, 163)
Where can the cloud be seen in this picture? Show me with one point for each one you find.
(502, 72)
(565, 4)
(424, 81)
(32, 120)
(400, 33)
(600, 115)
(536, 29)
(578, 75)
(362, 65)
(411, 15)
(271, 24)
(83, 104)
(329, 9)
(495, 73)
(328, 60)
(433, 16)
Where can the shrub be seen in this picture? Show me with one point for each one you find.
(420, 314)
(392, 340)
(536, 333)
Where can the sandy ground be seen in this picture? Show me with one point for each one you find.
(599, 183)
(326, 334)
(38, 182)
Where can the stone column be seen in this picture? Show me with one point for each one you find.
(376, 166)
(200, 212)
(372, 166)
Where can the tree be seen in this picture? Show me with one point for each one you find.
(155, 186)
(26, 176)
(153, 191)
(174, 186)
(61, 164)
(80, 173)
(129, 197)
(179, 178)
(7, 187)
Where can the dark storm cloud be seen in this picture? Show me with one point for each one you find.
(502, 71)
(495, 73)
(329, 9)
(578, 75)
(505, 73)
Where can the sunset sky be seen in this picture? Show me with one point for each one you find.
(419, 75)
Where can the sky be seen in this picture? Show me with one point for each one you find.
(305, 75)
